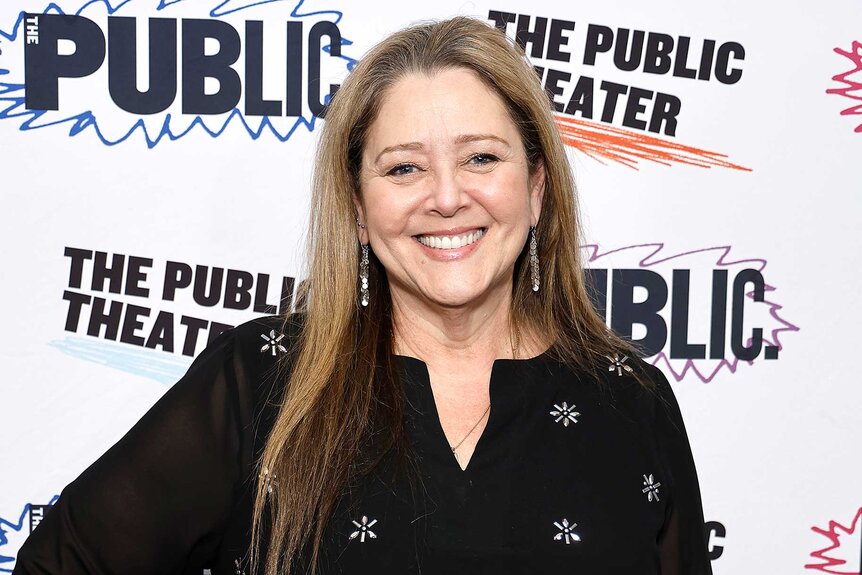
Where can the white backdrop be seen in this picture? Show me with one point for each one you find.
(760, 171)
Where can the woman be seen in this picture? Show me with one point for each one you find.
(459, 408)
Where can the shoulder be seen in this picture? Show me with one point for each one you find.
(664, 410)
(257, 358)
(248, 364)
(644, 394)
(659, 399)
(262, 351)
(633, 386)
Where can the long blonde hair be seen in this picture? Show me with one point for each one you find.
(342, 389)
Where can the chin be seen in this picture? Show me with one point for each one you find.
(453, 298)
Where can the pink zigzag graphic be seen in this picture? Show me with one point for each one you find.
(832, 533)
(850, 88)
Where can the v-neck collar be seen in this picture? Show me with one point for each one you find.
(505, 387)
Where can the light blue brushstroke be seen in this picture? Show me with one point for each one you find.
(144, 362)
(7, 561)
(172, 128)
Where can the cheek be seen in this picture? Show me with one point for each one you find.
(506, 198)
(387, 209)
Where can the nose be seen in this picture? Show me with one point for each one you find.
(448, 195)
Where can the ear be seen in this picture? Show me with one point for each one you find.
(361, 230)
(537, 191)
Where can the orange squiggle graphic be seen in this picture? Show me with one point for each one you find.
(854, 54)
(603, 142)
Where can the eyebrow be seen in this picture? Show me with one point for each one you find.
(462, 139)
(467, 138)
(398, 148)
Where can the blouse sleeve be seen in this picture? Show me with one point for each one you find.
(155, 502)
(682, 542)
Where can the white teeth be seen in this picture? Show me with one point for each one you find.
(451, 242)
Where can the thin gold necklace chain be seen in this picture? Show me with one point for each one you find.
(472, 429)
(515, 344)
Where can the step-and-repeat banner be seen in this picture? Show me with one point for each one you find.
(155, 158)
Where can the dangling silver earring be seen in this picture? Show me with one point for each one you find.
(363, 276)
(534, 259)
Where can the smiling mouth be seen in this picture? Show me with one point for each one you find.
(451, 242)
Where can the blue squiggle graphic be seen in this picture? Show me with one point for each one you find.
(15, 526)
(156, 365)
(12, 94)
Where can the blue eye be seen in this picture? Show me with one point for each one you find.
(483, 159)
(402, 170)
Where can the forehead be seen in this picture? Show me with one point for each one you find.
(439, 108)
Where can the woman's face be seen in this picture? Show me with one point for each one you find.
(446, 195)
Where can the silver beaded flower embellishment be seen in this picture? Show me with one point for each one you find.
(567, 532)
(363, 529)
(651, 487)
(565, 414)
(619, 364)
(273, 342)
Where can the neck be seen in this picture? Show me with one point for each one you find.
(481, 331)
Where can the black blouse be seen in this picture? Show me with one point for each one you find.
(569, 476)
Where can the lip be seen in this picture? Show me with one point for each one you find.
(453, 253)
